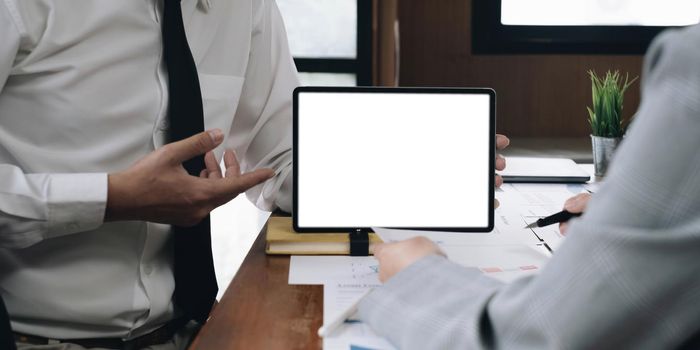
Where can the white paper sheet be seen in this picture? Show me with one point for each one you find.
(551, 235)
(509, 225)
(321, 269)
(536, 200)
(357, 342)
(509, 252)
(357, 336)
(570, 189)
(498, 257)
(593, 187)
(337, 297)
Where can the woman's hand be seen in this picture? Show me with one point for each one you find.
(394, 257)
(575, 204)
(501, 143)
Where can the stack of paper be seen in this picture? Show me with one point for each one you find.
(345, 279)
(507, 253)
(502, 256)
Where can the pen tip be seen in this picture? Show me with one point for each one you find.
(532, 225)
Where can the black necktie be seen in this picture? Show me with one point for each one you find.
(7, 341)
(195, 281)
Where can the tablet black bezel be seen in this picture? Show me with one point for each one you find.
(319, 89)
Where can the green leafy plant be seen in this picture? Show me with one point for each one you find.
(608, 96)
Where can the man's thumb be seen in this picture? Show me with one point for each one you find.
(196, 145)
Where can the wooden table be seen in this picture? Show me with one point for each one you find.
(261, 311)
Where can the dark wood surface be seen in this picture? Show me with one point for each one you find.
(538, 95)
(259, 310)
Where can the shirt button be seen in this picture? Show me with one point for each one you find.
(164, 124)
(147, 269)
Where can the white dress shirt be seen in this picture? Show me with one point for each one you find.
(83, 92)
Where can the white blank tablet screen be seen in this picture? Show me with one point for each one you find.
(393, 160)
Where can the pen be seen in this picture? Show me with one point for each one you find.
(561, 216)
(331, 325)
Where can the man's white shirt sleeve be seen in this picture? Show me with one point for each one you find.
(266, 99)
(34, 207)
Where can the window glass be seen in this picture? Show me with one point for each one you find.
(600, 12)
(327, 79)
(321, 28)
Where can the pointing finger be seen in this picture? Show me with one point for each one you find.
(244, 182)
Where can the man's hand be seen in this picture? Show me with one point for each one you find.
(575, 204)
(158, 189)
(394, 257)
(501, 143)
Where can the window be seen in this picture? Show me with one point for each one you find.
(600, 12)
(331, 40)
(575, 26)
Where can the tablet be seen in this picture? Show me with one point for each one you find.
(413, 158)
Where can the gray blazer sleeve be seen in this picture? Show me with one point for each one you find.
(628, 275)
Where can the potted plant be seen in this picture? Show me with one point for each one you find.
(605, 116)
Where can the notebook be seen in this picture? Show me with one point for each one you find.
(281, 239)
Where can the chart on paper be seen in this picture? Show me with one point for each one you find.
(338, 296)
(320, 269)
(502, 256)
(536, 200)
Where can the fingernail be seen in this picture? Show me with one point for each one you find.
(216, 135)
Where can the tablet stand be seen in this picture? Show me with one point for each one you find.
(359, 242)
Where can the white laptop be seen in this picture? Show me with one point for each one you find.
(543, 170)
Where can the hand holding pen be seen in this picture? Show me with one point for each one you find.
(575, 204)
(573, 207)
